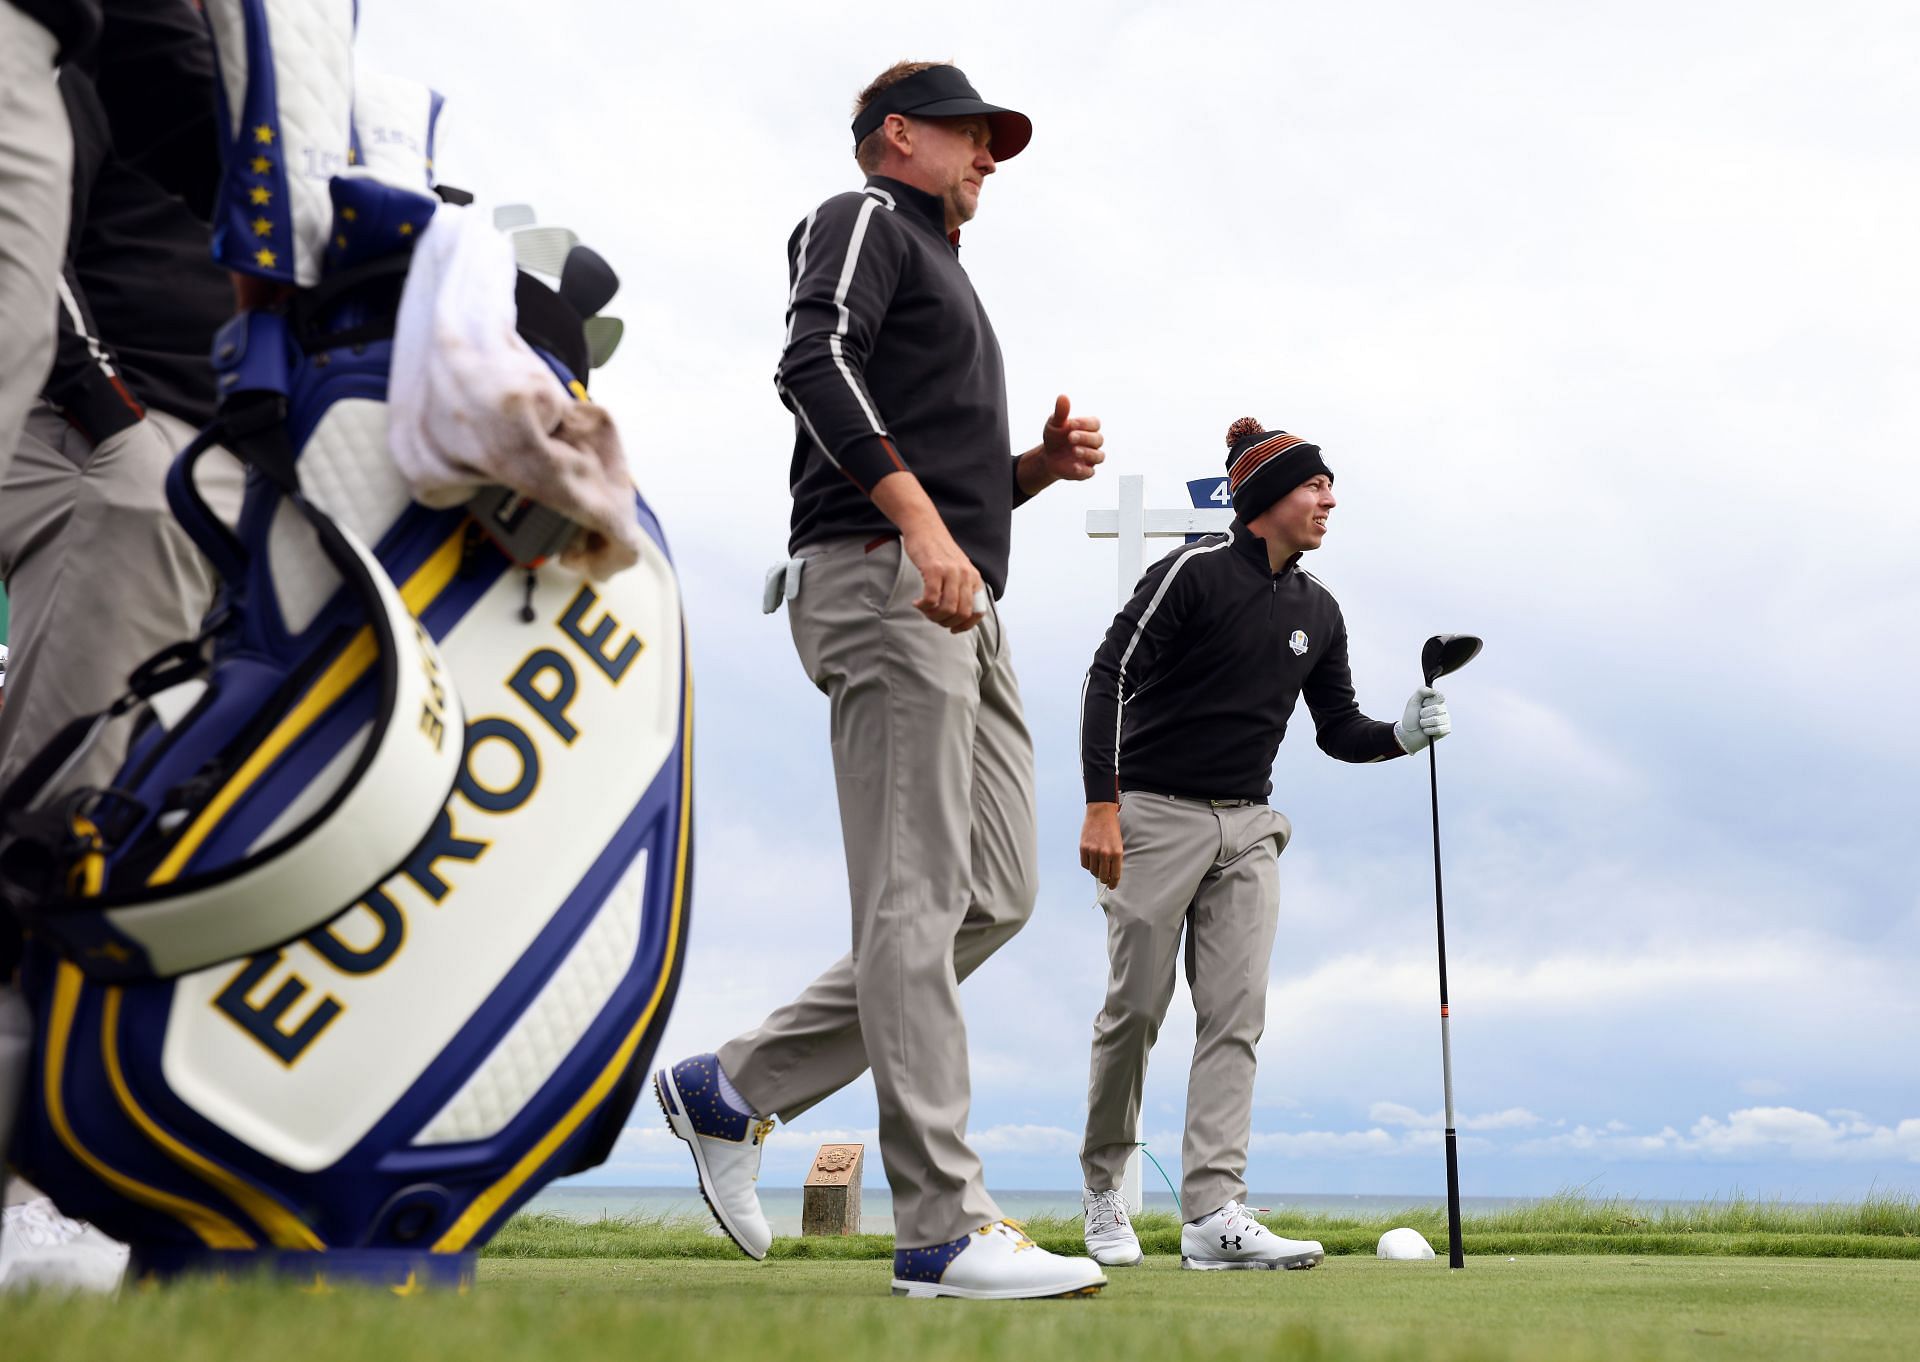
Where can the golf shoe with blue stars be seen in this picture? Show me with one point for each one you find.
(996, 1262)
(726, 1143)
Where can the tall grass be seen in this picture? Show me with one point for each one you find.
(1881, 1226)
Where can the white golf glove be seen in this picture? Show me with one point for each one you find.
(1424, 719)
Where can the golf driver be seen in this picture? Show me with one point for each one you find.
(1441, 654)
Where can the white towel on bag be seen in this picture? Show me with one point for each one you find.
(470, 405)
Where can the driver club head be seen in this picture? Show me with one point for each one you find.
(1444, 653)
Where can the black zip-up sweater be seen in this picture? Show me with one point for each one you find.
(1198, 676)
(143, 295)
(891, 364)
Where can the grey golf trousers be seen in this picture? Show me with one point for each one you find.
(934, 770)
(1210, 870)
(36, 196)
(99, 574)
(99, 577)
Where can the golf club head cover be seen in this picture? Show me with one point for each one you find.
(396, 124)
(375, 1096)
(285, 93)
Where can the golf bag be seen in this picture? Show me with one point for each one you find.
(377, 927)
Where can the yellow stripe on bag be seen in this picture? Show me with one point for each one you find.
(214, 1229)
(420, 590)
(285, 1229)
(489, 1202)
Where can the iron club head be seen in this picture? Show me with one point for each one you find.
(1444, 653)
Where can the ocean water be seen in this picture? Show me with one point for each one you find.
(782, 1204)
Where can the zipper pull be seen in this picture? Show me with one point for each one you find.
(527, 615)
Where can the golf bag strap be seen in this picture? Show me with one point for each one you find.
(384, 807)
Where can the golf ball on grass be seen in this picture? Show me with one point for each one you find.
(1405, 1244)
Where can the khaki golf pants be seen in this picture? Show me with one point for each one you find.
(99, 577)
(934, 770)
(1210, 870)
(99, 574)
(36, 196)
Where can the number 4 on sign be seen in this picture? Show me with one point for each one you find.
(1207, 493)
(1210, 491)
(1133, 525)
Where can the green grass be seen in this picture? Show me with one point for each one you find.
(1880, 1227)
(1555, 1309)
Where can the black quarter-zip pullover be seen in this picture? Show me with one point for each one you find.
(1190, 692)
(891, 364)
(143, 296)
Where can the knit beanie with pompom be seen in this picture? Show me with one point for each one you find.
(1265, 465)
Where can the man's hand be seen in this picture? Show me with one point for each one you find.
(954, 598)
(1425, 719)
(1100, 847)
(1070, 445)
(1069, 450)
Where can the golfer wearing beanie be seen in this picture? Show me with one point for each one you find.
(1184, 707)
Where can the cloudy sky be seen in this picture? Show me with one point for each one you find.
(1600, 315)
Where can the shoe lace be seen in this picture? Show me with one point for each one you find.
(761, 1129)
(1107, 1210)
(1013, 1227)
(42, 1226)
(1233, 1211)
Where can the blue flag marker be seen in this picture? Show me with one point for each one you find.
(1208, 494)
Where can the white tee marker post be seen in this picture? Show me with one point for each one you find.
(1133, 525)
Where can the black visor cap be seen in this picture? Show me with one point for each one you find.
(945, 92)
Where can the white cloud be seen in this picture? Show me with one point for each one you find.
(1394, 1114)
(1750, 1134)
(1586, 984)
(1025, 1140)
(647, 1144)
(1300, 1144)
(1567, 748)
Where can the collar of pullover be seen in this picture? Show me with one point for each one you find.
(926, 209)
(1254, 549)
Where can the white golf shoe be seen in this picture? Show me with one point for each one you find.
(41, 1248)
(1108, 1231)
(1231, 1238)
(996, 1262)
(726, 1144)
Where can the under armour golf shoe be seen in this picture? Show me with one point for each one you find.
(1108, 1231)
(996, 1262)
(1231, 1238)
(726, 1144)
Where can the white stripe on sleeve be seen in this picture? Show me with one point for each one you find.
(799, 270)
(1120, 694)
(72, 307)
(840, 302)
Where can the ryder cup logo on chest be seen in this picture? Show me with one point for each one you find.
(1298, 643)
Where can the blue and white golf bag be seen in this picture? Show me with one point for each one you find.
(376, 929)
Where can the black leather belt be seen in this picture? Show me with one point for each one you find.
(1196, 799)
